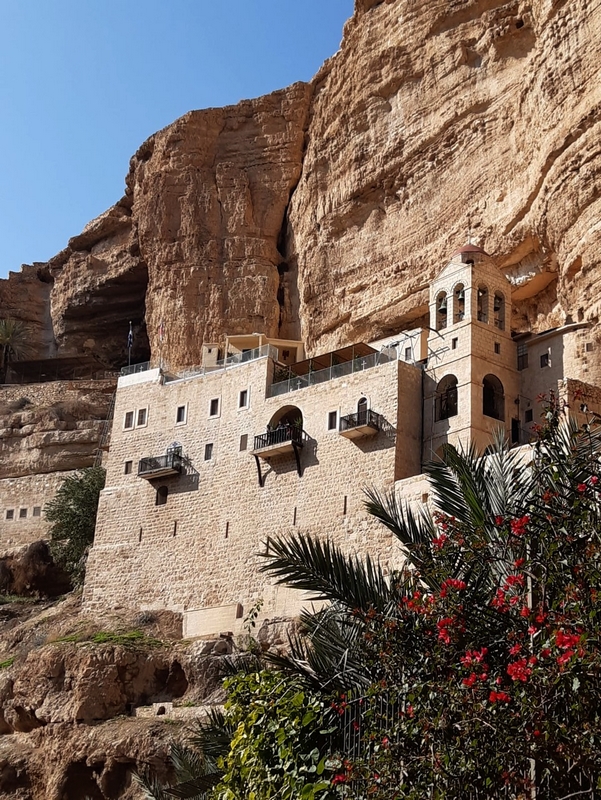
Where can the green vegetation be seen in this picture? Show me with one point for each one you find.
(110, 637)
(15, 344)
(8, 663)
(72, 513)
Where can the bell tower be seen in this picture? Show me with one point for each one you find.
(471, 379)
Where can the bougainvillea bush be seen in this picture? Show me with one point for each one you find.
(475, 672)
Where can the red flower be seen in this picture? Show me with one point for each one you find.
(499, 697)
(515, 649)
(532, 629)
(566, 640)
(470, 681)
(594, 480)
(565, 657)
(439, 542)
(519, 670)
(545, 652)
(340, 778)
(518, 526)
(519, 562)
(499, 521)
(524, 611)
(582, 488)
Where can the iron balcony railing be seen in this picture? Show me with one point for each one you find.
(281, 435)
(295, 382)
(160, 465)
(361, 418)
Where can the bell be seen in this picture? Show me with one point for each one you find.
(498, 303)
(461, 295)
(443, 305)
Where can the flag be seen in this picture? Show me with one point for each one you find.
(130, 338)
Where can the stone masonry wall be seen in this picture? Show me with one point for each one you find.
(26, 498)
(199, 549)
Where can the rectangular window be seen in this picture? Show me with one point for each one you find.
(180, 416)
(454, 343)
(208, 451)
(128, 467)
(332, 420)
(10, 513)
(545, 361)
(243, 442)
(522, 357)
(285, 354)
(22, 513)
(142, 417)
(528, 415)
(37, 511)
(589, 347)
(128, 421)
(497, 347)
(243, 399)
(407, 354)
(214, 407)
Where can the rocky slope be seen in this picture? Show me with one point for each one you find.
(325, 209)
(76, 696)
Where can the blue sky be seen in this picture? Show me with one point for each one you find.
(84, 82)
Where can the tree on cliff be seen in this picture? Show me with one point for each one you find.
(72, 513)
(15, 343)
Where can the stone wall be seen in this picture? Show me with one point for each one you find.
(199, 549)
(22, 502)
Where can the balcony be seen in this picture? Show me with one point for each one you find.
(160, 466)
(363, 423)
(284, 439)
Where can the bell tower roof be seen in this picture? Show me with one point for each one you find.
(469, 248)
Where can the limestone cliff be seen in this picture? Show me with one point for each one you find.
(325, 209)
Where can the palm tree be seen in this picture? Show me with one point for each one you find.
(15, 344)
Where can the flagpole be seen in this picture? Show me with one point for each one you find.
(130, 341)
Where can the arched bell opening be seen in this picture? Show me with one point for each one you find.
(482, 304)
(446, 398)
(441, 311)
(493, 398)
(499, 311)
(459, 303)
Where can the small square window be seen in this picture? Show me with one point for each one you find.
(528, 415)
(407, 354)
(497, 348)
(332, 420)
(214, 407)
(142, 417)
(128, 422)
(545, 361)
(589, 347)
(243, 442)
(128, 467)
(37, 511)
(285, 354)
(243, 399)
(454, 343)
(425, 496)
(208, 451)
(22, 513)
(10, 513)
(180, 416)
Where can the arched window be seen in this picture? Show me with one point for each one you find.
(482, 304)
(362, 411)
(459, 303)
(446, 398)
(441, 311)
(493, 397)
(499, 311)
(161, 496)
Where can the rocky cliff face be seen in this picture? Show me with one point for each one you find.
(327, 208)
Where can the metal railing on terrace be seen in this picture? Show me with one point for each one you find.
(132, 369)
(295, 382)
(360, 419)
(266, 350)
(280, 435)
(157, 466)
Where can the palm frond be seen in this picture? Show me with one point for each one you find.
(323, 570)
